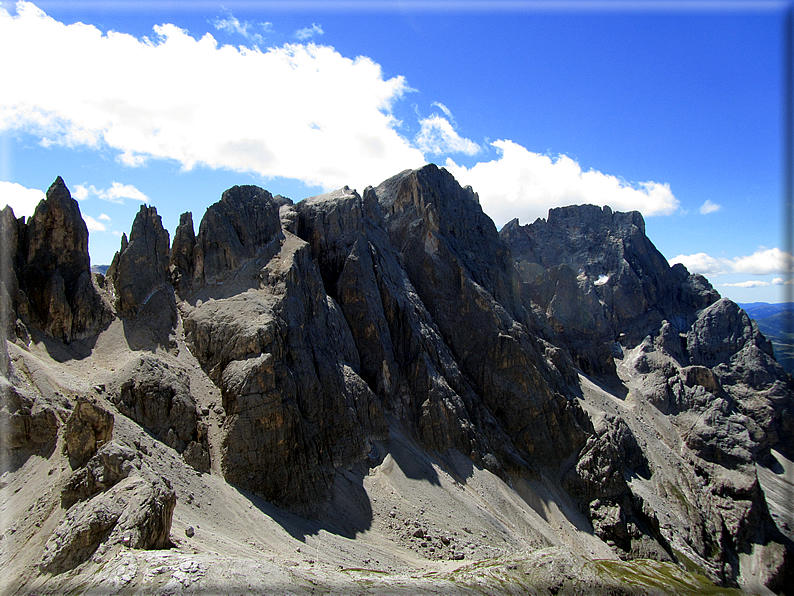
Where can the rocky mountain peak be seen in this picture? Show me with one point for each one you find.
(54, 270)
(597, 279)
(57, 237)
(556, 391)
(183, 260)
(140, 268)
(234, 229)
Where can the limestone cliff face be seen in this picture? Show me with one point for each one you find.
(565, 353)
(56, 292)
(140, 269)
(597, 279)
(463, 275)
(282, 354)
(666, 336)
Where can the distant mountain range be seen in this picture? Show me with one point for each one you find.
(772, 322)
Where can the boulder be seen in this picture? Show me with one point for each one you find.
(28, 423)
(155, 393)
(88, 428)
(136, 512)
(110, 464)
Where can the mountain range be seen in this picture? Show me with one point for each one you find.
(775, 322)
(381, 393)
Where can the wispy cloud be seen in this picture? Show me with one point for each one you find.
(22, 200)
(524, 184)
(764, 261)
(168, 98)
(709, 207)
(778, 281)
(446, 110)
(115, 194)
(437, 137)
(233, 26)
(308, 33)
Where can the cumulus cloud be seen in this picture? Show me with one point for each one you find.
(709, 207)
(764, 261)
(22, 200)
(93, 225)
(524, 184)
(437, 136)
(80, 192)
(115, 194)
(703, 263)
(309, 32)
(298, 111)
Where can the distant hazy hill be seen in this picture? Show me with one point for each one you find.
(771, 320)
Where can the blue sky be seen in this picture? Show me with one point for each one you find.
(674, 109)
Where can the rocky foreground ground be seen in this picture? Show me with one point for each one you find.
(380, 393)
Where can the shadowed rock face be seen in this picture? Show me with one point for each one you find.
(346, 319)
(183, 260)
(463, 274)
(140, 269)
(623, 313)
(56, 289)
(281, 353)
(597, 279)
(141, 277)
(233, 230)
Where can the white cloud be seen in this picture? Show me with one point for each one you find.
(308, 32)
(703, 263)
(778, 281)
(526, 185)
(232, 25)
(23, 201)
(709, 207)
(446, 111)
(437, 137)
(115, 194)
(104, 217)
(303, 112)
(80, 192)
(748, 284)
(93, 225)
(764, 261)
(118, 192)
